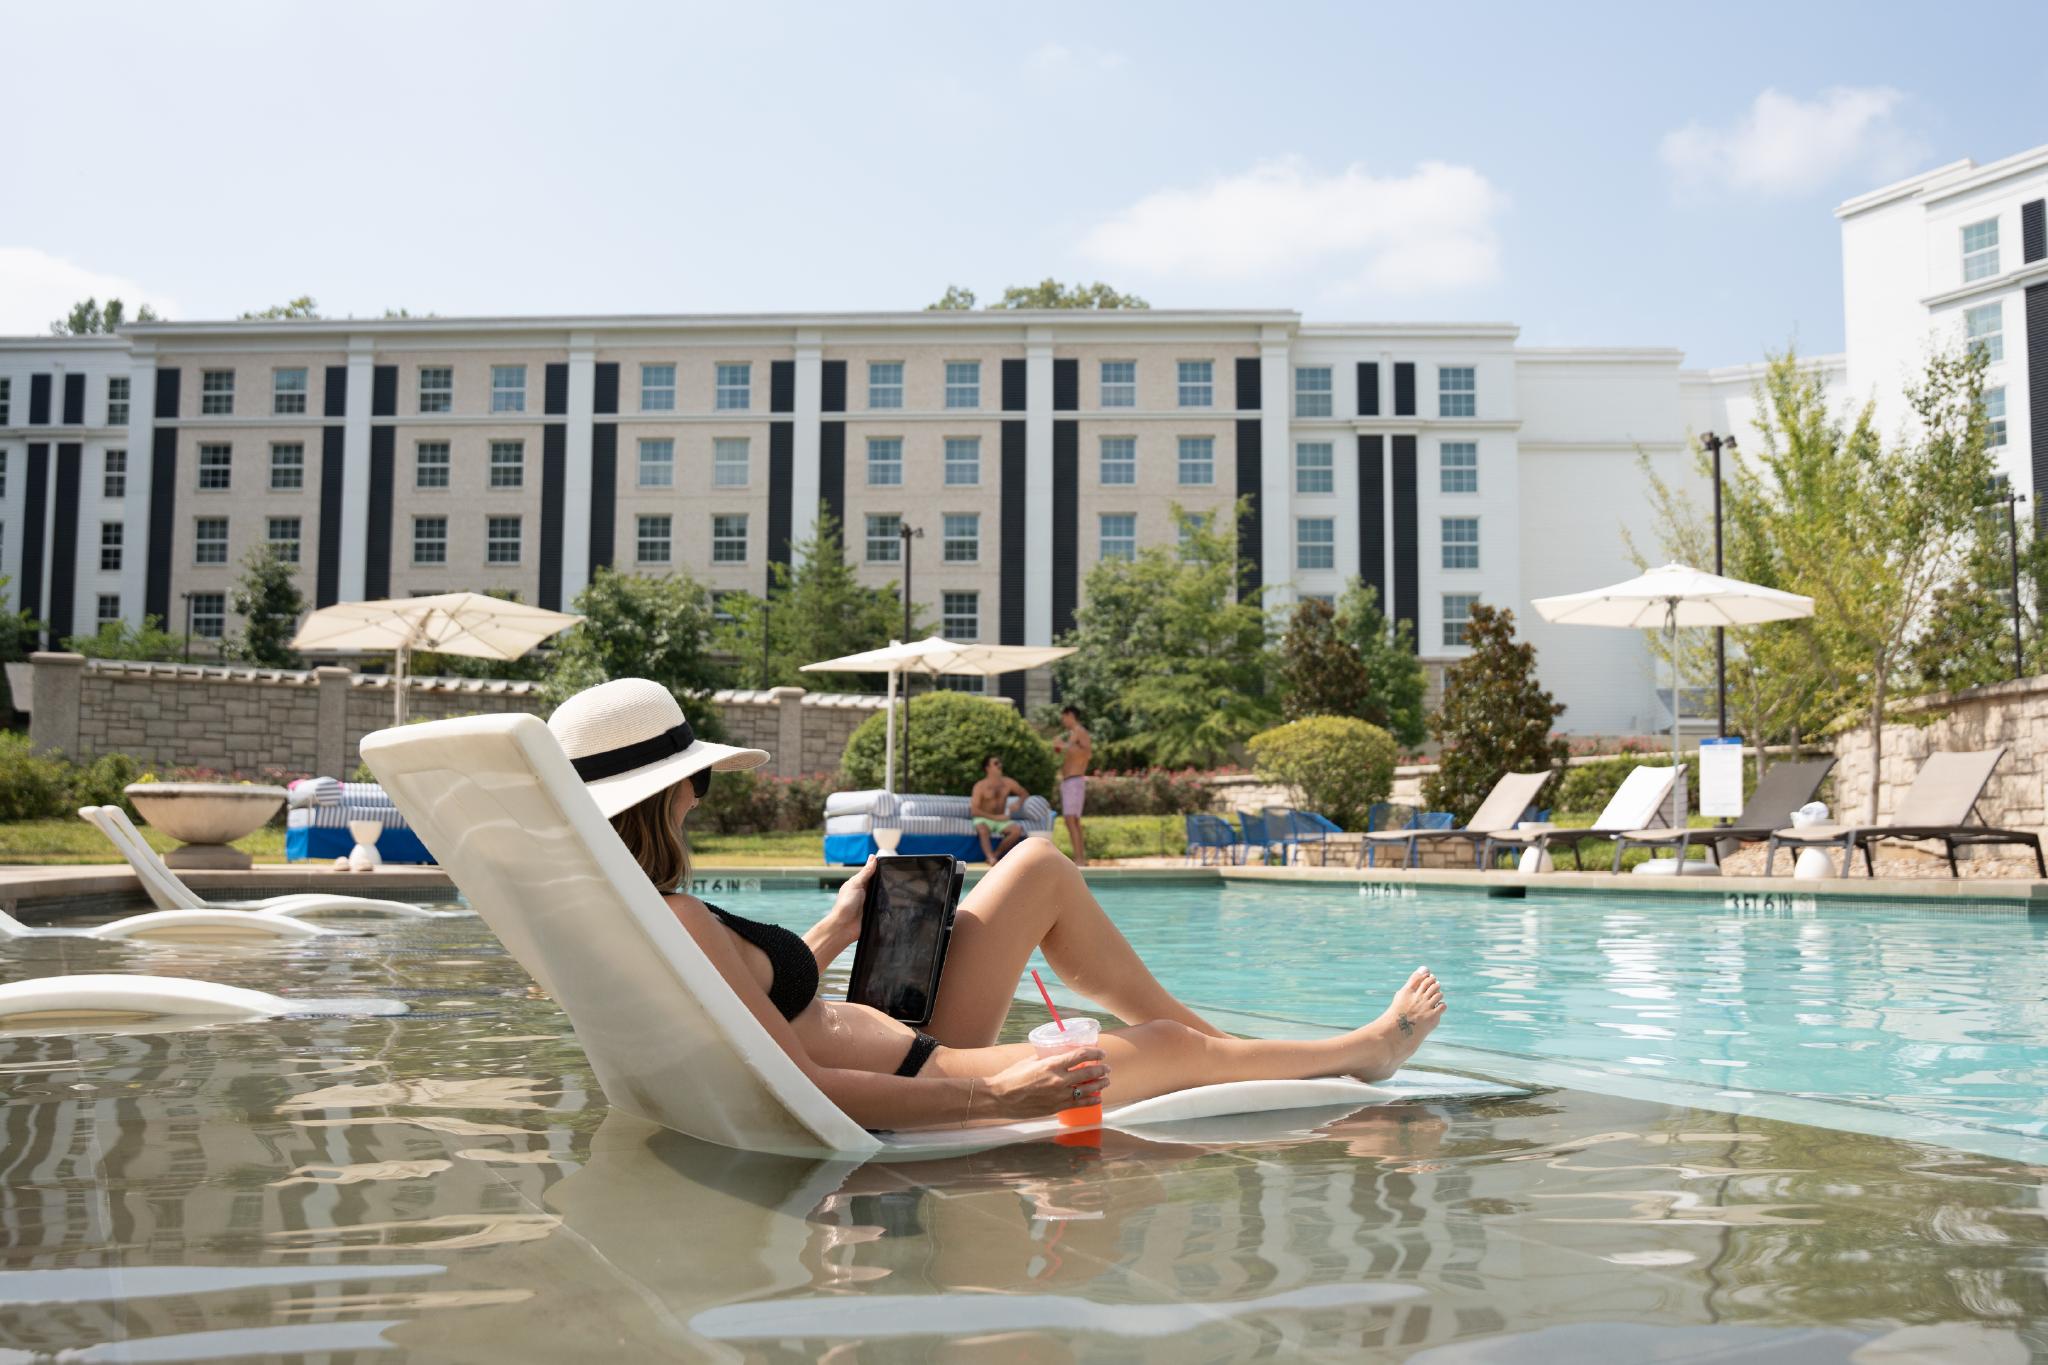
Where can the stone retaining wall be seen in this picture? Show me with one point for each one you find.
(2014, 714)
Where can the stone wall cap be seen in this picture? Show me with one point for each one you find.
(56, 658)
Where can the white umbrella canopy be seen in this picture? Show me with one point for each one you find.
(466, 623)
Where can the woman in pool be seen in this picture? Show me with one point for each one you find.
(631, 745)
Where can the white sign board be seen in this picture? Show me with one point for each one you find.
(1721, 777)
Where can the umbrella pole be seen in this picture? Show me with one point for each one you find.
(889, 737)
(1671, 646)
(398, 685)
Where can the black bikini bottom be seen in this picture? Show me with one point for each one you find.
(921, 1047)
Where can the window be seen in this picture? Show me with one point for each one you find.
(1980, 250)
(885, 538)
(1315, 543)
(1315, 467)
(430, 465)
(963, 383)
(114, 475)
(6, 394)
(284, 538)
(1985, 328)
(437, 388)
(657, 388)
(734, 388)
(117, 402)
(1198, 460)
(109, 608)
(1119, 460)
(1461, 542)
(430, 540)
(654, 538)
(287, 391)
(1119, 383)
(508, 388)
(3, 473)
(1198, 383)
(1189, 524)
(885, 384)
(210, 540)
(1457, 615)
(112, 536)
(729, 539)
(287, 467)
(501, 540)
(1119, 535)
(960, 615)
(885, 461)
(215, 466)
(658, 464)
(208, 613)
(1994, 416)
(729, 462)
(963, 461)
(1458, 467)
(962, 542)
(1457, 391)
(216, 392)
(1312, 391)
(508, 464)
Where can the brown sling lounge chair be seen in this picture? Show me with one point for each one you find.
(1780, 791)
(1503, 806)
(1937, 806)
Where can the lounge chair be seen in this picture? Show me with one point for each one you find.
(497, 802)
(1643, 799)
(1212, 835)
(1292, 829)
(169, 893)
(1505, 805)
(1783, 788)
(184, 926)
(1938, 805)
(96, 1003)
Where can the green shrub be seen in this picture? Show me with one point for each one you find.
(41, 786)
(102, 782)
(1150, 791)
(1336, 766)
(950, 733)
(1588, 787)
(761, 803)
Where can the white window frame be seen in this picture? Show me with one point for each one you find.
(439, 396)
(118, 390)
(958, 608)
(1991, 339)
(295, 468)
(495, 540)
(1461, 399)
(204, 545)
(727, 530)
(892, 465)
(217, 476)
(657, 396)
(296, 539)
(210, 609)
(1461, 473)
(963, 461)
(506, 473)
(963, 384)
(1118, 469)
(1453, 627)
(732, 386)
(1994, 416)
(444, 465)
(216, 393)
(1123, 544)
(437, 541)
(1315, 392)
(1120, 391)
(1195, 383)
(508, 388)
(1183, 464)
(654, 529)
(960, 538)
(1317, 535)
(1980, 262)
(1450, 549)
(1315, 467)
(889, 541)
(287, 397)
(113, 475)
(730, 470)
(885, 391)
(6, 399)
(113, 540)
(655, 462)
(101, 615)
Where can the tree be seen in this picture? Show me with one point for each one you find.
(817, 608)
(18, 631)
(641, 627)
(301, 309)
(1495, 718)
(147, 643)
(1050, 293)
(87, 318)
(1320, 673)
(956, 299)
(1394, 680)
(268, 600)
(1967, 637)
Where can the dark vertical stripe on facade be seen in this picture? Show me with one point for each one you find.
(1251, 527)
(554, 399)
(2037, 395)
(832, 386)
(39, 400)
(1249, 399)
(781, 470)
(1066, 386)
(1012, 551)
(1368, 388)
(384, 391)
(167, 392)
(334, 399)
(604, 492)
(554, 469)
(1066, 525)
(1015, 387)
(377, 534)
(832, 475)
(604, 388)
(782, 386)
(35, 490)
(74, 400)
(163, 507)
(327, 576)
(1407, 537)
(2034, 230)
(1404, 389)
(64, 537)
(1372, 515)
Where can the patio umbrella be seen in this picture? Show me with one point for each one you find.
(933, 656)
(466, 623)
(1673, 596)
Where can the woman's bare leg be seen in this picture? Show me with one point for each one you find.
(1034, 897)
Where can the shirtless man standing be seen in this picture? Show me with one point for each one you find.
(989, 804)
(1075, 748)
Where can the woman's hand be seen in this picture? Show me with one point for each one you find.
(1037, 1086)
(852, 898)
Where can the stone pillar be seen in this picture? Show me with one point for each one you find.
(53, 710)
(789, 730)
(331, 757)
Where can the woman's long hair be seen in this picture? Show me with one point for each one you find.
(651, 835)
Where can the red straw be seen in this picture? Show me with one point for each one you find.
(1048, 1001)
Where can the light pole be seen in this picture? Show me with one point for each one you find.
(909, 533)
(2001, 490)
(1714, 444)
(188, 627)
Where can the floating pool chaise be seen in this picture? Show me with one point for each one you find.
(496, 801)
(181, 925)
(88, 1002)
(170, 893)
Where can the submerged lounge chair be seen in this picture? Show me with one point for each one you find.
(1642, 799)
(1780, 791)
(497, 802)
(1938, 805)
(116, 1003)
(170, 893)
(1509, 800)
(185, 926)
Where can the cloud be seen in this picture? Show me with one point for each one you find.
(37, 289)
(1784, 144)
(1057, 61)
(1432, 229)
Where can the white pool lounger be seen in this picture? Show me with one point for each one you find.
(497, 802)
(145, 1004)
(183, 926)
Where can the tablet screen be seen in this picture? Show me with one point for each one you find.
(903, 936)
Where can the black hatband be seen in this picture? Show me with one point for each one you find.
(612, 762)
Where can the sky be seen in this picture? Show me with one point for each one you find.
(1600, 175)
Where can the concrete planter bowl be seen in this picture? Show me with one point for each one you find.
(206, 817)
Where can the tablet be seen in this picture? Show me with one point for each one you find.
(904, 927)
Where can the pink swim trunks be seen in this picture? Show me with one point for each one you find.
(1073, 795)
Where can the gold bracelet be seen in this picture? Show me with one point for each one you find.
(971, 1083)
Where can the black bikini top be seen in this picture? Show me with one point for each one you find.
(795, 981)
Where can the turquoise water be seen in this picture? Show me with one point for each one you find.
(1919, 1022)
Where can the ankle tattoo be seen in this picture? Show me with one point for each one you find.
(1406, 1027)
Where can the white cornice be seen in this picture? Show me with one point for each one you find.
(1757, 369)
(2034, 273)
(1901, 189)
(1601, 355)
(1409, 331)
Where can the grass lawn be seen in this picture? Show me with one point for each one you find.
(61, 840)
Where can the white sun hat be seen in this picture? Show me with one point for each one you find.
(627, 740)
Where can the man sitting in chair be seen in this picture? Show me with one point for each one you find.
(989, 804)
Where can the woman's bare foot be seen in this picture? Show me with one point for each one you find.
(1383, 1045)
